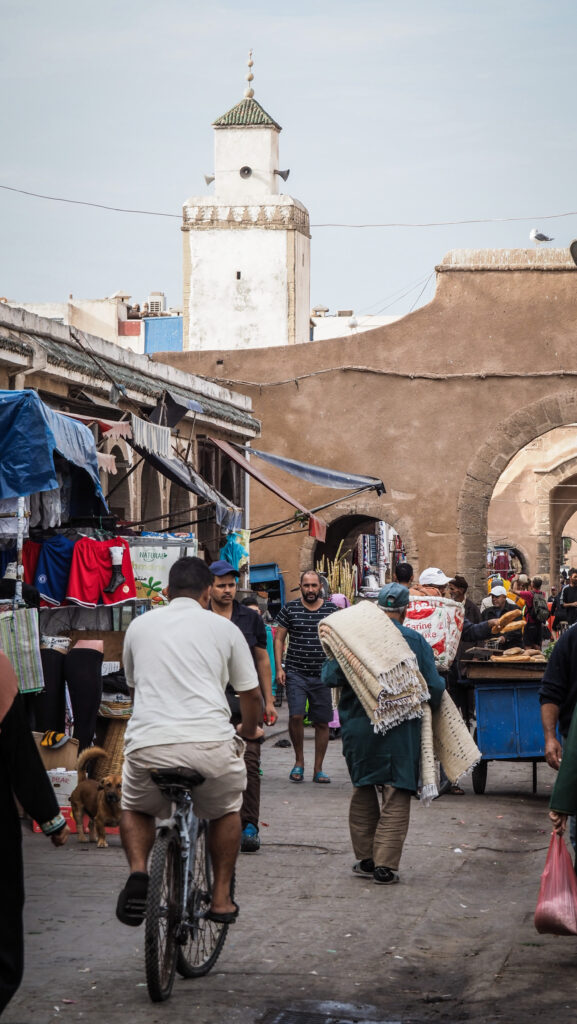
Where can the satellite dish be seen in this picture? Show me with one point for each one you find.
(245, 172)
(573, 251)
(283, 174)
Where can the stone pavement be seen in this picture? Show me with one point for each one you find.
(453, 942)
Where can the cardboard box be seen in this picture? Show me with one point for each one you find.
(64, 757)
(66, 813)
(64, 783)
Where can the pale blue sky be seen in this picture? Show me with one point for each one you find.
(438, 111)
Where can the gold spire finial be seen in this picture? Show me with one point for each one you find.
(249, 91)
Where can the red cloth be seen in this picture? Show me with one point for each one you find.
(91, 571)
(30, 555)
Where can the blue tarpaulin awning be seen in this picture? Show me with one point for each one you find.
(319, 475)
(30, 433)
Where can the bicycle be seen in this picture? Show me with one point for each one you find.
(177, 935)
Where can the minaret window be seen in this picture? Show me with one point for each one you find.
(238, 275)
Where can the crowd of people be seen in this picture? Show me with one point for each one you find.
(202, 689)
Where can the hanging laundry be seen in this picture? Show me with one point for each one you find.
(93, 570)
(152, 437)
(233, 551)
(53, 568)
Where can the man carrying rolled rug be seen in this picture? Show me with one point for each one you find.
(382, 748)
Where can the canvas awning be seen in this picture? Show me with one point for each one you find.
(317, 528)
(228, 516)
(30, 433)
(319, 475)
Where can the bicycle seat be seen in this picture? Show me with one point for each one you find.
(184, 778)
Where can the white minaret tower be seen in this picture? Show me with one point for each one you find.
(246, 248)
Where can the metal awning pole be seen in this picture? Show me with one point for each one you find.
(21, 514)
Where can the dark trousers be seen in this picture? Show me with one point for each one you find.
(12, 903)
(250, 810)
(82, 671)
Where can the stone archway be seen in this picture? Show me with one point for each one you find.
(512, 434)
(551, 526)
(364, 508)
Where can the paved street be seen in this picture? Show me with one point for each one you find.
(453, 942)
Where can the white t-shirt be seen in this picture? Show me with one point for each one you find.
(179, 660)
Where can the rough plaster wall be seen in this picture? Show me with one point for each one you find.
(256, 148)
(302, 309)
(224, 311)
(366, 409)
(95, 316)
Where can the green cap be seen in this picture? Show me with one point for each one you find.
(393, 596)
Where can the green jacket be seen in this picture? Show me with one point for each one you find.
(392, 759)
(564, 795)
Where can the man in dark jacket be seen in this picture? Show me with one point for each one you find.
(390, 760)
(22, 773)
(558, 694)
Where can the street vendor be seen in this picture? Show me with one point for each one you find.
(500, 604)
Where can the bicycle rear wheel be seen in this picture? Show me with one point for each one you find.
(205, 939)
(163, 914)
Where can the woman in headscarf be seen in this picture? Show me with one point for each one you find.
(23, 774)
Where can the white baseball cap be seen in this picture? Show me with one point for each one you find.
(498, 592)
(434, 577)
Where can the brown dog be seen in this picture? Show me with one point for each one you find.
(99, 800)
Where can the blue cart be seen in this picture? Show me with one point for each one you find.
(508, 715)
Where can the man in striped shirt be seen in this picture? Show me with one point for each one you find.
(299, 620)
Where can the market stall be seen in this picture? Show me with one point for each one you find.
(507, 709)
(72, 577)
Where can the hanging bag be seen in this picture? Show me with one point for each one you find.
(20, 641)
(556, 911)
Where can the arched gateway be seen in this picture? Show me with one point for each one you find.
(513, 433)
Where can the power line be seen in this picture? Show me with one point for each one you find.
(82, 202)
(384, 224)
(449, 223)
(392, 295)
(421, 292)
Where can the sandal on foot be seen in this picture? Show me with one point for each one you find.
(456, 791)
(131, 905)
(297, 774)
(321, 777)
(226, 917)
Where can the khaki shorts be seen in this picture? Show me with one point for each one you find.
(221, 763)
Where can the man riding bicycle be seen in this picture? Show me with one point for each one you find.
(178, 661)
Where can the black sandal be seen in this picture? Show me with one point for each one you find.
(226, 917)
(131, 905)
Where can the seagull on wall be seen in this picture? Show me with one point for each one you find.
(538, 236)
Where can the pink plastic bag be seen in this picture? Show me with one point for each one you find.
(556, 911)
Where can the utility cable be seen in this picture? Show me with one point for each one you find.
(330, 224)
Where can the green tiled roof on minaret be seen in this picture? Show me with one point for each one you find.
(248, 113)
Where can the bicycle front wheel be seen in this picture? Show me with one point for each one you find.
(163, 914)
(205, 939)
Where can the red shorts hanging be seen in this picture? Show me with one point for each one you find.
(91, 572)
